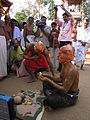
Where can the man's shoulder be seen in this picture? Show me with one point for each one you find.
(89, 29)
(17, 28)
(47, 27)
(21, 48)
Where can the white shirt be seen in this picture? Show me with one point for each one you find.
(83, 34)
(16, 33)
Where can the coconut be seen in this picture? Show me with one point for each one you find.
(17, 99)
(21, 95)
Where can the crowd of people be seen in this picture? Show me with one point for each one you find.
(38, 47)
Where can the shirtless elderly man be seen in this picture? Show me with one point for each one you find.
(37, 58)
(8, 30)
(63, 90)
(30, 31)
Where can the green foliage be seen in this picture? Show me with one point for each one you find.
(35, 10)
(51, 10)
(21, 16)
(87, 10)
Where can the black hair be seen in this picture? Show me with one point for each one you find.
(65, 14)
(43, 17)
(30, 18)
(53, 23)
(86, 19)
(24, 23)
(14, 20)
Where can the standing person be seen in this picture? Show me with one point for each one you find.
(44, 32)
(83, 37)
(74, 39)
(8, 34)
(53, 43)
(3, 49)
(65, 36)
(22, 34)
(16, 34)
(8, 30)
(30, 31)
(62, 91)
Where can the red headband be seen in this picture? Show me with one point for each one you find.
(66, 54)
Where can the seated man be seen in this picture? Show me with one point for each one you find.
(63, 90)
(37, 58)
(15, 55)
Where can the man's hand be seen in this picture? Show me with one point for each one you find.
(44, 75)
(55, 8)
(41, 78)
(42, 29)
(62, 6)
(26, 40)
(83, 44)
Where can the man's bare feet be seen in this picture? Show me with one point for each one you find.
(48, 92)
(82, 67)
(47, 108)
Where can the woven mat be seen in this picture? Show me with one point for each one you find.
(35, 110)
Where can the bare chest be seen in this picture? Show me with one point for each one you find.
(7, 28)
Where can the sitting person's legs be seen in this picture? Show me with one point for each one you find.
(57, 100)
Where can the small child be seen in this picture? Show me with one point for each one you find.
(75, 46)
(53, 43)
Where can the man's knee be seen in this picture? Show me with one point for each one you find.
(52, 101)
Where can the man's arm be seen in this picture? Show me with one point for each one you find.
(68, 13)
(46, 33)
(30, 58)
(57, 86)
(56, 9)
(37, 32)
(46, 53)
(56, 18)
(54, 78)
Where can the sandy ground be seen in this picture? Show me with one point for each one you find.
(81, 111)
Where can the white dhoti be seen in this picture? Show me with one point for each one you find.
(3, 57)
(31, 38)
(53, 57)
(81, 54)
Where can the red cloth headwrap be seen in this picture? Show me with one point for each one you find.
(39, 46)
(66, 54)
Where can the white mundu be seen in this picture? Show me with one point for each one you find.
(3, 57)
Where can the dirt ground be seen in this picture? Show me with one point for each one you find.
(81, 111)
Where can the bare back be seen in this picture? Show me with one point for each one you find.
(70, 77)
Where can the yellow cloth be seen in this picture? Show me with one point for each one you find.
(17, 54)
